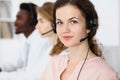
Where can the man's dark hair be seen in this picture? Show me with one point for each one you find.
(31, 8)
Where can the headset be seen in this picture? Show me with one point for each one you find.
(91, 23)
(54, 27)
(33, 14)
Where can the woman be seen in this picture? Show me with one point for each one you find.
(76, 23)
(44, 26)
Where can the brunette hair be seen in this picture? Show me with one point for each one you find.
(47, 11)
(90, 14)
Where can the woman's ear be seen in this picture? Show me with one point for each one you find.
(88, 31)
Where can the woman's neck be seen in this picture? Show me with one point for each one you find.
(78, 53)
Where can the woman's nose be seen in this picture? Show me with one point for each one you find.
(37, 26)
(66, 28)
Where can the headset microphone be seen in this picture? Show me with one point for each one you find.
(47, 32)
(83, 38)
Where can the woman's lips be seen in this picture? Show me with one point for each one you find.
(67, 37)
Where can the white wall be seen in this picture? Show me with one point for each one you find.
(119, 32)
(108, 11)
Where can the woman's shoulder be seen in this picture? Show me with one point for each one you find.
(99, 62)
(99, 65)
(59, 59)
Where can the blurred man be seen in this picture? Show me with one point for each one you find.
(26, 19)
(33, 48)
(25, 22)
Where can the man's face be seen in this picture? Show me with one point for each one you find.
(22, 21)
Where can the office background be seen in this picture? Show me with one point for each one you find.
(108, 32)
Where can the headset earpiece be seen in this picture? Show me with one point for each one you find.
(91, 24)
(54, 28)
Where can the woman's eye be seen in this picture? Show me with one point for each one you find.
(59, 23)
(40, 20)
(74, 21)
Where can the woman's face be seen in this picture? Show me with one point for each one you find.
(71, 25)
(43, 26)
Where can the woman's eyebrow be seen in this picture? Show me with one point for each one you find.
(69, 18)
(73, 18)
